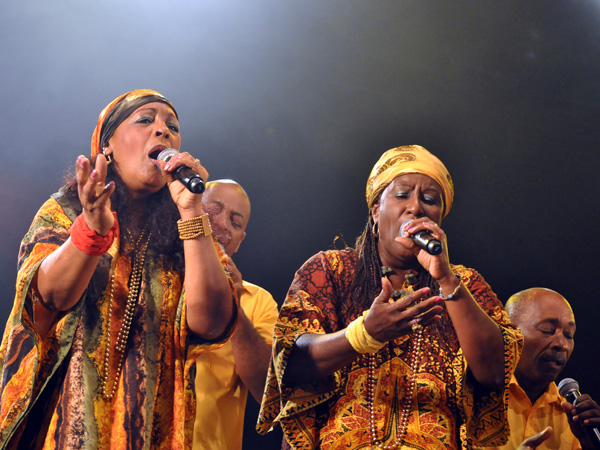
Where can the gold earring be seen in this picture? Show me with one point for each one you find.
(108, 158)
(375, 229)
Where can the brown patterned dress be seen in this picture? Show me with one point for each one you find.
(449, 410)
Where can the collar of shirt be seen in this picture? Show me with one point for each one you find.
(550, 395)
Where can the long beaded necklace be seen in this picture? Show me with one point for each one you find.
(409, 391)
(139, 256)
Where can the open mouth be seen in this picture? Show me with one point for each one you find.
(156, 151)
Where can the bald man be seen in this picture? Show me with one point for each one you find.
(224, 376)
(548, 325)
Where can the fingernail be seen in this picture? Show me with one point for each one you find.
(425, 223)
(439, 300)
(410, 230)
(426, 290)
(168, 166)
(80, 160)
(94, 174)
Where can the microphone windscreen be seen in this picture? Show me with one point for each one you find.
(166, 154)
(567, 385)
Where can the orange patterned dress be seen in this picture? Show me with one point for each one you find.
(449, 409)
(50, 389)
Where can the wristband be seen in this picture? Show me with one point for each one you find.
(359, 337)
(90, 242)
(198, 226)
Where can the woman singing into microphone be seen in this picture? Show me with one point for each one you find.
(120, 287)
(386, 346)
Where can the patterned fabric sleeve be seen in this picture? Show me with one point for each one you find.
(310, 307)
(485, 422)
(26, 361)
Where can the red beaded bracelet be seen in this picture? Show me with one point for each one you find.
(90, 242)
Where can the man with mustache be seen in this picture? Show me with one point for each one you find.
(548, 326)
(224, 376)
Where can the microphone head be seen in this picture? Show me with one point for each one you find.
(567, 385)
(403, 227)
(166, 154)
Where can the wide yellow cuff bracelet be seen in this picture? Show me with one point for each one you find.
(195, 227)
(359, 337)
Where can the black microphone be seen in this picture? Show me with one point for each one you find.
(187, 176)
(569, 389)
(424, 239)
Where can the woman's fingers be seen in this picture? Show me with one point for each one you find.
(94, 194)
(185, 159)
(388, 320)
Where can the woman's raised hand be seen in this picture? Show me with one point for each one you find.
(389, 320)
(94, 194)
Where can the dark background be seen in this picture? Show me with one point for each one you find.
(296, 100)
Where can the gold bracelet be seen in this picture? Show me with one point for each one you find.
(195, 227)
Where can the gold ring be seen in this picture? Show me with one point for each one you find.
(416, 326)
(197, 161)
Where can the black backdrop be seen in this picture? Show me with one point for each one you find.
(297, 100)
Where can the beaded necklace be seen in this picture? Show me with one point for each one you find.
(409, 390)
(139, 256)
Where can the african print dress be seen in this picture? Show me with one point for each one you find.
(449, 410)
(51, 388)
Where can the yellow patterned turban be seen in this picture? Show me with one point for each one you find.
(118, 110)
(409, 159)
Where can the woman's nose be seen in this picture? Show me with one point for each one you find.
(162, 129)
(415, 206)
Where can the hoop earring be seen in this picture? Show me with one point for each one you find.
(108, 159)
(375, 229)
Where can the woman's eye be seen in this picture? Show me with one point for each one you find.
(174, 128)
(547, 331)
(401, 194)
(145, 120)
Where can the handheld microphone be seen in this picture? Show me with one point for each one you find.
(190, 179)
(423, 239)
(569, 389)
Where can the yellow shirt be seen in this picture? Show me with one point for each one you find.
(526, 420)
(220, 394)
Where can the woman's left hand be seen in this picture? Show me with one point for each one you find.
(185, 200)
(437, 265)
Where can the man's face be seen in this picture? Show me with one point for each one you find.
(228, 208)
(548, 327)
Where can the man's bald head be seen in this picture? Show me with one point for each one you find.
(548, 325)
(228, 207)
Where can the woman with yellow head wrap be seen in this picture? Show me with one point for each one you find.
(120, 288)
(386, 346)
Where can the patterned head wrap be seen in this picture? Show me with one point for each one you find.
(409, 159)
(120, 109)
